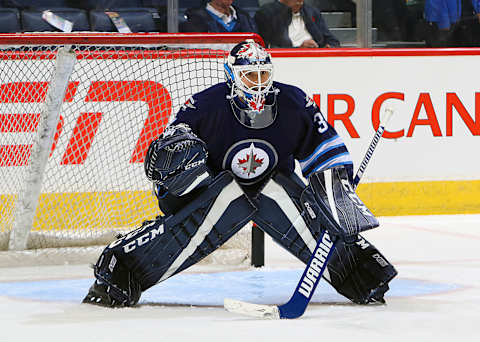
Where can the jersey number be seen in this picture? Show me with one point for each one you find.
(320, 121)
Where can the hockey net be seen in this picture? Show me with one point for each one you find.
(74, 132)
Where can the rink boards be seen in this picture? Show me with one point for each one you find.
(425, 164)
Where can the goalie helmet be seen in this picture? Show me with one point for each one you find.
(249, 74)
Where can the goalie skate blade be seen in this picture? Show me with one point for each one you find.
(252, 310)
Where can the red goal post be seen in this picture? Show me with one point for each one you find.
(77, 113)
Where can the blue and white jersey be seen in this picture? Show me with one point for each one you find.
(298, 132)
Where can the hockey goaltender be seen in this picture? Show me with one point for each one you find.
(228, 158)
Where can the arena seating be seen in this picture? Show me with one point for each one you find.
(137, 19)
(88, 15)
(32, 19)
(9, 20)
(32, 4)
(139, 15)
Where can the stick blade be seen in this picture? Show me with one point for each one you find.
(252, 310)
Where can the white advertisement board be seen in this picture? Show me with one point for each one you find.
(435, 130)
(433, 135)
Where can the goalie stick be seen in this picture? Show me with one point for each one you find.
(300, 299)
(373, 145)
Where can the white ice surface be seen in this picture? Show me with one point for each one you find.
(440, 249)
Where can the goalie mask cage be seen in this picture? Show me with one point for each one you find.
(78, 112)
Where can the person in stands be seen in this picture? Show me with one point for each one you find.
(467, 30)
(218, 16)
(292, 23)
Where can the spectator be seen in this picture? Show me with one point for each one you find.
(218, 16)
(476, 8)
(441, 16)
(467, 30)
(291, 23)
(390, 18)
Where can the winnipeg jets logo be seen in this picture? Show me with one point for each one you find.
(309, 101)
(251, 163)
(250, 160)
(257, 106)
(245, 51)
(190, 103)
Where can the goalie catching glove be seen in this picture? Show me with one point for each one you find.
(176, 161)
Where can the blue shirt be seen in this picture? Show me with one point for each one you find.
(476, 5)
(444, 13)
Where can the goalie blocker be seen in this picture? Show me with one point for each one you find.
(295, 216)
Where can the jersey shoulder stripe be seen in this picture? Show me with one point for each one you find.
(336, 155)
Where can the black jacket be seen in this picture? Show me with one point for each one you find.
(274, 18)
(199, 20)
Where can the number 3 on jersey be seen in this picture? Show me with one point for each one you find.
(320, 121)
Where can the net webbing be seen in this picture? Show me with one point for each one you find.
(118, 99)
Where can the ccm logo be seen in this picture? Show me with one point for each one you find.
(143, 235)
(195, 164)
(381, 261)
(154, 94)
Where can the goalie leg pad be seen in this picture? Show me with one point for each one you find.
(330, 200)
(358, 271)
(115, 285)
(165, 246)
(282, 217)
(197, 230)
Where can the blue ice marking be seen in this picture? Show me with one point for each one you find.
(256, 286)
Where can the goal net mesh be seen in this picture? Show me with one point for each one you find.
(118, 99)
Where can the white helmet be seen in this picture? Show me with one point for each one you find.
(249, 73)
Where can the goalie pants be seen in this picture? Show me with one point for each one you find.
(163, 247)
